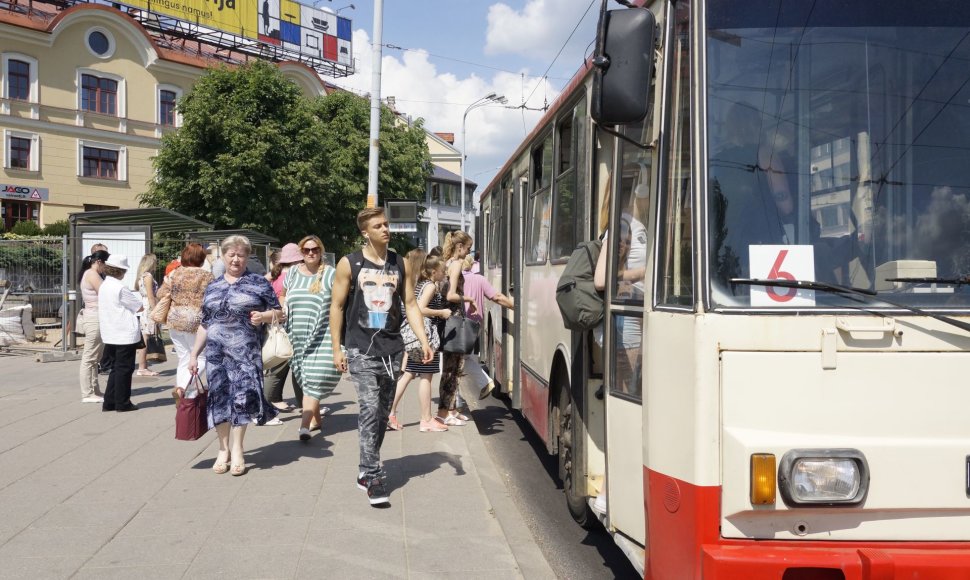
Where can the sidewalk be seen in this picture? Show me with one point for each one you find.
(86, 494)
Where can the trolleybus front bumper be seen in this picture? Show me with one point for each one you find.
(836, 561)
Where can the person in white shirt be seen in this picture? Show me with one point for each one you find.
(120, 332)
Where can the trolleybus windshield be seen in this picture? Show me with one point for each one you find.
(838, 140)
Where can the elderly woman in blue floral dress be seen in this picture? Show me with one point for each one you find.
(234, 308)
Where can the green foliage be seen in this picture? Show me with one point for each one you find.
(57, 229)
(253, 152)
(31, 263)
(27, 228)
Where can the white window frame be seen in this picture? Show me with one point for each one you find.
(158, 104)
(34, 150)
(107, 34)
(33, 95)
(122, 112)
(122, 158)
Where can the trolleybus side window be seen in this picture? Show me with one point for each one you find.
(540, 207)
(496, 232)
(570, 181)
(676, 275)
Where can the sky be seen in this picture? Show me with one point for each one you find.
(454, 52)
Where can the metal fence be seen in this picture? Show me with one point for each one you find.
(36, 271)
(43, 272)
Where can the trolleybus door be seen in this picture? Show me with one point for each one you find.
(628, 246)
(513, 209)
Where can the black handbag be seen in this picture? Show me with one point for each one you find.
(461, 333)
(156, 347)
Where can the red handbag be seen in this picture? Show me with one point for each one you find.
(191, 420)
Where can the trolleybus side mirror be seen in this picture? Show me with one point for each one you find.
(624, 63)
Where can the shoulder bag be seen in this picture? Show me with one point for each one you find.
(159, 313)
(412, 345)
(461, 333)
(276, 345)
(155, 347)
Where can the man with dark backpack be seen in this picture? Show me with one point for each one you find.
(580, 303)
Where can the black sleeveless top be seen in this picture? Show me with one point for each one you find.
(373, 313)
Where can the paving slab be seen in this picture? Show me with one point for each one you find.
(86, 494)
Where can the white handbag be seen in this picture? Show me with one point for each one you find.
(277, 348)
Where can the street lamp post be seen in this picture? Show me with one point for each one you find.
(375, 104)
(487, 99)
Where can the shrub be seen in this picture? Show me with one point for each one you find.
(27, 228)
(58, 229)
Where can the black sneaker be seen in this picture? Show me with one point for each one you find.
(377, 493)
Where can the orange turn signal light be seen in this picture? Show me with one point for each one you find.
(763, 474)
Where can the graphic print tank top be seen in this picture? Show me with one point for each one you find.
(373, 314)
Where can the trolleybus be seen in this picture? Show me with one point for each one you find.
(779, 387)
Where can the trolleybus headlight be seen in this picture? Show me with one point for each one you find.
(823, 477)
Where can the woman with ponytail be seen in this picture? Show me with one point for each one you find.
(92, 273)
(308, 289)
(457, 245)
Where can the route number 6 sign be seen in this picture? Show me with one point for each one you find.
(782, 263)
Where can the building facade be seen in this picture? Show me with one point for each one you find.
(86, 94)
(442, 198)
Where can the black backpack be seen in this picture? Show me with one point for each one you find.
(580, 303)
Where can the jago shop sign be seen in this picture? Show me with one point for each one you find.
(24, 192)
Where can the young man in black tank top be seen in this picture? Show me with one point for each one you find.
(368, 290)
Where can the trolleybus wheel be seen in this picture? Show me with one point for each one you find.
(570, 438)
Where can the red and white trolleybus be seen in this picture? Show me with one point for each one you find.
(780, 388)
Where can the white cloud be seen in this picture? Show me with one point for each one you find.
(540, 29)
(420, 90)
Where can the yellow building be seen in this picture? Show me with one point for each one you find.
(85, 95)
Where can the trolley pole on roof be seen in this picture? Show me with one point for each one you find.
(375, 103)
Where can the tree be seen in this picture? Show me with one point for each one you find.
(253, 152)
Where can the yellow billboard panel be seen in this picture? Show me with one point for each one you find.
(237, 17)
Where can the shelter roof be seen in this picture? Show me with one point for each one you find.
(219, 235)
(161, 219)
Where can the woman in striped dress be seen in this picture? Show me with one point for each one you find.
(428, 271)
(308, 289)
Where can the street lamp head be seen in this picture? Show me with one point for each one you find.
(491, 96)
(351, 6)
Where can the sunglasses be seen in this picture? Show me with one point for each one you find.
(308, 251)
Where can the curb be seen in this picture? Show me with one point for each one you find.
(525, 550)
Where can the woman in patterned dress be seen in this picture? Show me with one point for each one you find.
(307, 290)
(233, 308)
(428, 272)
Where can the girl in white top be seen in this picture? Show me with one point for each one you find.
(120, 331)
(90, 282)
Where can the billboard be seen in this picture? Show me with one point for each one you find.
(291, 25)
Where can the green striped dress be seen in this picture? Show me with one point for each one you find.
(308, 326)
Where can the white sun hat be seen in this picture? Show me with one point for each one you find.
(119, 261)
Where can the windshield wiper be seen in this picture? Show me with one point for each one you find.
(956, 281)
(847, 290)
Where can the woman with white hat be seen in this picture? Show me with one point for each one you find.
(120, 332)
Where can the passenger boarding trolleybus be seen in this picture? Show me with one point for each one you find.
(780, 388)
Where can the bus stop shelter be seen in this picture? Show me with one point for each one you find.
(133, 232)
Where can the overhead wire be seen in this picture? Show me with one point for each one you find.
(468, 62)
(561, 48)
